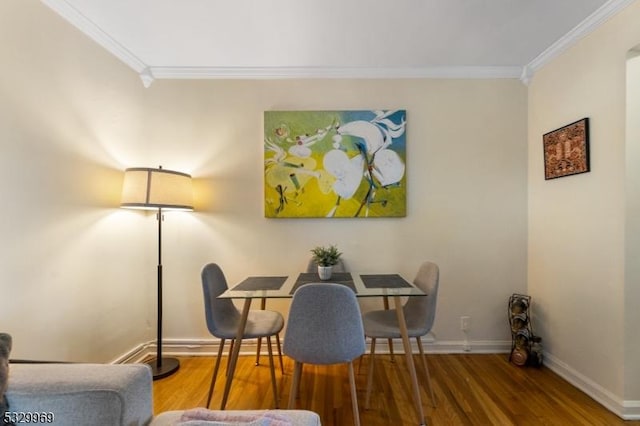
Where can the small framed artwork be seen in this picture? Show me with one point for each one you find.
(566, 150)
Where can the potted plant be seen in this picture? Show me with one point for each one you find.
(325, 258)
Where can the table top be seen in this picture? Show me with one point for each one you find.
(364, 285)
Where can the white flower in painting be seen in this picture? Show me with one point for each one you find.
(365, 130)
(347, 171)
(388, 168)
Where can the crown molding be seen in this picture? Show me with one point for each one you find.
(584, 28)
(332, 72)
(88, 27)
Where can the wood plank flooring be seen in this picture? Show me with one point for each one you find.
(469, 389)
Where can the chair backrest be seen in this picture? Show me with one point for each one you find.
(312, 266)
(420, 312)
(217, 311)
(324, 325)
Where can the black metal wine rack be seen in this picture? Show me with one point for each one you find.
(526, 348)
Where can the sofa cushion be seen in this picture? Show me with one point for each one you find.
(296, 417)
(84, 394)
(5, 349)
(205, 417)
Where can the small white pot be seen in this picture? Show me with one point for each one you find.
(325, 272)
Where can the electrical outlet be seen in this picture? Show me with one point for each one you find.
(465, 323)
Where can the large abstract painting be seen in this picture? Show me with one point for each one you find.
(335, 163)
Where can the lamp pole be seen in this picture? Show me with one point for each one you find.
(161, 367)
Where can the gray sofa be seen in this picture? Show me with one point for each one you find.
(99, 394)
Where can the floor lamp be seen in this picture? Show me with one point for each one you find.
(158, 189)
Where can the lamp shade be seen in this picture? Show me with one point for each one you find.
(151, 189)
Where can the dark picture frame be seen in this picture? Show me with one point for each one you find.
(566, 150)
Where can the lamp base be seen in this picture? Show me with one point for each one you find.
(168, 367)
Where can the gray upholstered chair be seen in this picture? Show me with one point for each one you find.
(311, 267)
(324, 327)
(419, 312)
(340, 267)
(223, 318)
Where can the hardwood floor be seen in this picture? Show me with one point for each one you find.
(469, 390)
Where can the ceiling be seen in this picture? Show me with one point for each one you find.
(335, 38)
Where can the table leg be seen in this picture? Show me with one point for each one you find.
(236, 351)
(263, 306)
(390, 341)
(409, 355)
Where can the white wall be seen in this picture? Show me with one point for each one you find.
(78, 274)
(632, 266)
(577, 227)
(71, 279)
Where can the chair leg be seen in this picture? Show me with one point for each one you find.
(295, 384)
(370, 375)
(390, 342)
(215, 372)
(233, 341)
(354, 395)
(426, 370)
(273, 373)
(258, 351)
(280, 353)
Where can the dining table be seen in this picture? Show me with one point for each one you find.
(389, 286)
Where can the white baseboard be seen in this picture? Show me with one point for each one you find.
(627, 410)
(133, 355)
(469, 347)
(631, 410)
(209, 347)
